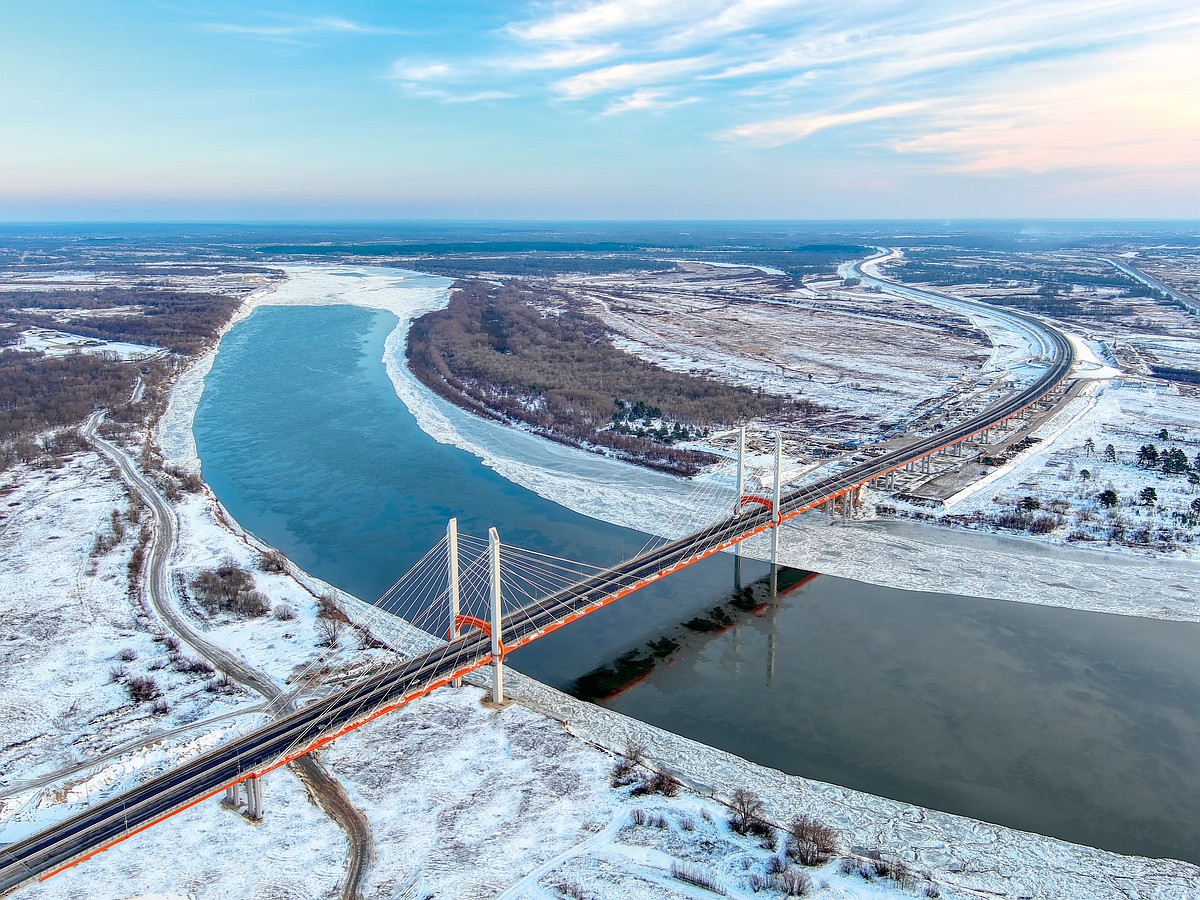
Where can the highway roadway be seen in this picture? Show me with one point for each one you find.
(1137, 274)
(308, 728)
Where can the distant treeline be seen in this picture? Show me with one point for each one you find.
(446, 248)
(494, 352)
(536, 265)
(175, 320)
(464, 258)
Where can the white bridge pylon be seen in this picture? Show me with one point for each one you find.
(466, 583)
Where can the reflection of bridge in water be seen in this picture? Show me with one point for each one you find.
(492, 599)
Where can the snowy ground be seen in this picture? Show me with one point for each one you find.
(866, 358)
(466, 801)
(59, 343)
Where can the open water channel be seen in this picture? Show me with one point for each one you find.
(1075, 724)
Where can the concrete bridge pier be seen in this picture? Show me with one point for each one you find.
(233, 797)
(254, 798)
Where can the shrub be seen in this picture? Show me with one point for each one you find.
(128, 654)
(273, 561)
(811, 842)
(693, 874)
(793, 883)
(284, 612)
(807, 853)
(117, 674)
(161, 707)
(570, 890)
(638, 817)
(664, 783)
(328, 608)
(142, 688)
(687, 823)
(229, 588)
(251, 604)
(222, 685)
(191, 666)
(622, 773)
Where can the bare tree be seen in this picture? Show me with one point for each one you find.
(330, 632)
(747, 809)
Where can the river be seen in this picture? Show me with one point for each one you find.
(1076, 724)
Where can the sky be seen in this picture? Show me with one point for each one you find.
(598, 109)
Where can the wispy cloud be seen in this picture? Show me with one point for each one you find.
(789, 129)
(996, 86)
(648, 99)
(441, 81)
(430, 71)
(586, 21)
(570, 57)
(292, 29)
(626, 75)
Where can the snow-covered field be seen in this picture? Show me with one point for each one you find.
(58, 343)
(866, 358)
(464, 800)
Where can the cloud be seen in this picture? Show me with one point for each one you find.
(1136, 113)
(406, 71)
(648, 99)
(291, 28)
(442, 82)
(790, 129)
(589, 20)
(571, 57)
(627, 75)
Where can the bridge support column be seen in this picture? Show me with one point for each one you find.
(453, 582)
(497, 649)
(775, 514)
(452, 576)
(232, 798)
(741, 492)
(254, 798)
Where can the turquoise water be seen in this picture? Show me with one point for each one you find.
(301, 435)
(1075, 724)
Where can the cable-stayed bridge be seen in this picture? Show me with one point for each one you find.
(490, 599)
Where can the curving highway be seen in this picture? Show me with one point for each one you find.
(308, 728)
